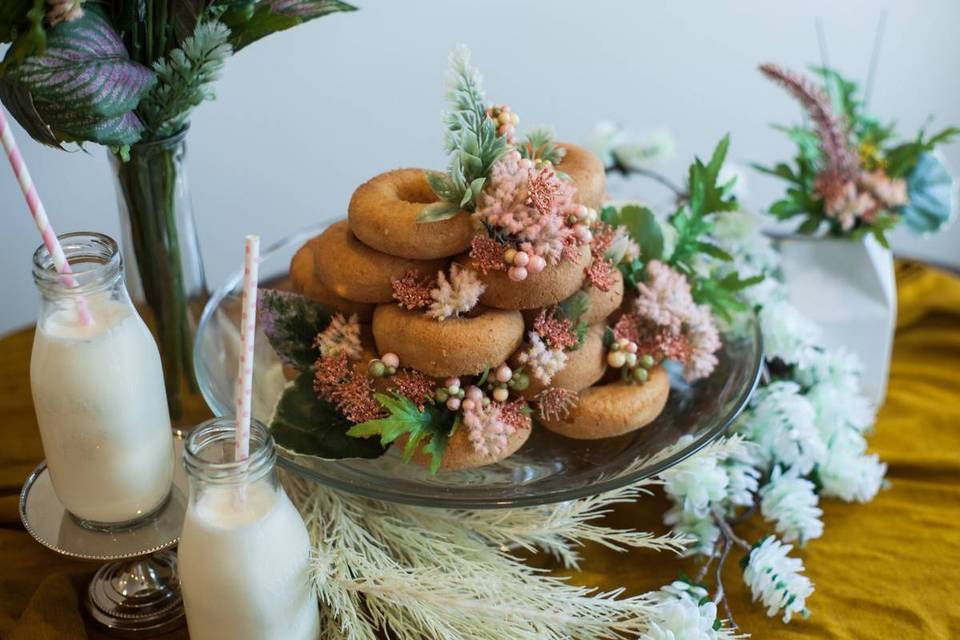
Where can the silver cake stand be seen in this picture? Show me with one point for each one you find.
(137, 593)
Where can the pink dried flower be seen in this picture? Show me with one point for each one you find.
(538, 219)
(354, 398)
(487, 428)
(602, 237)
(555, 403)
(342, 335)
(412, 291)
(704, 341)
(63, 11)
(513, 414)
(458, 294)
(842, 161)
(414, 385)
(487, 253)
(544, 362)
(328, 373)
(664, 298)
(890, 192)
(558, 333)
(600, 273)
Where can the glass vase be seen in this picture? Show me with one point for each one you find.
(163, 260)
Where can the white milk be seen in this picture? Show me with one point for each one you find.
(102, 411)
(243, 566)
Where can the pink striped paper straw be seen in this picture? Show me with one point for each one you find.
(40, 215)
(248, 324)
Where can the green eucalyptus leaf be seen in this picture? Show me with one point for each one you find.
(932, 193)
(643, 227)
(305, 424)
(437, 211)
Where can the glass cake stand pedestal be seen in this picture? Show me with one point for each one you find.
(136, 594)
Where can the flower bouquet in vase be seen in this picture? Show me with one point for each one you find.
(127, 75)
(852, 180)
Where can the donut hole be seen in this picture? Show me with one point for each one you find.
(416, 192)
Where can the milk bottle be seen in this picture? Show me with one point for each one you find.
(98, 390)
(244, 552)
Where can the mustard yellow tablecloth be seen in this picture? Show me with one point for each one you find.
(888, 569)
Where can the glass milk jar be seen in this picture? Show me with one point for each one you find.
(98, 389)
(244, 552)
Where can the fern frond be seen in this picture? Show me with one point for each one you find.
(184, 78)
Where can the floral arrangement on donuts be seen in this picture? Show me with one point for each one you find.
(453, 311)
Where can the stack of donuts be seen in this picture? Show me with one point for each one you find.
(353, 265)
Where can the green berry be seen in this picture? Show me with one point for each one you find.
(441, 395)
(377, 369)
(646, 361)
(520, 381)
(391, 371)
(640, 374)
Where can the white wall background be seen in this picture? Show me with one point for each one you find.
(305, 116)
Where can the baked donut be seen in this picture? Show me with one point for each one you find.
(354, 271)
(600, 304)
(460, 453)
(451, 347)
(304, 280)
(613, 409)
(383, 215)
(584, 366)
(550, 286)
(586, 171)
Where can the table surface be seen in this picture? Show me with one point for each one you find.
(889, 569)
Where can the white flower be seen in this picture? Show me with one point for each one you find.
(702, 530)
(738, 232)
(838, 409)
(622, 247)
(840, 368)
(781, 423)
(543, 361)
(456, 295)
(848, 473)
(791, 503)
(775, 579)
(681, 616)
(696, 483)
(733, 171)
(612, 143)
(787, 334)
(743, 476)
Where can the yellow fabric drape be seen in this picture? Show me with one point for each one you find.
(888, 569)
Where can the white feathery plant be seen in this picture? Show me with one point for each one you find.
(184, 78)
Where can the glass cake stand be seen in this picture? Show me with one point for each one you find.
(136, 594)
(548, 468)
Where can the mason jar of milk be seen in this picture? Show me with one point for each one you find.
(98, 389)
(244, 553)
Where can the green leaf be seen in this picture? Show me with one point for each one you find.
(84, 87)
(428, 429)
(307, 425)
(291, 322)
(931, 190)
(271, 16)
(714, 251)
(810, 226)
(643, 227)
(574, 307)
(21, 23)
(437, 211)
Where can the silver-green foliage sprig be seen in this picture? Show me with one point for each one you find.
(184, 78)
(471, 140)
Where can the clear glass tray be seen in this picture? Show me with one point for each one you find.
(549, 467)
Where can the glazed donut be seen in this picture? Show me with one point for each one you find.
(460, 453)
(550, 286)
(584, 366)
(304, 280)
(383, 215)
(354, 271)
(586, 171)
(451, 347)
(613, 409)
